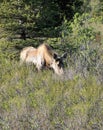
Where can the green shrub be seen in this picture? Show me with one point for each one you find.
(31, 100)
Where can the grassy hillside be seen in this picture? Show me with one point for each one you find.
(31, 100)
(44, 101)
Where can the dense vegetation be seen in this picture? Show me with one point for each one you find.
(45, 101)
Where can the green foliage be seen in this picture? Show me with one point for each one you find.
(78, 38)
(29, 19)
(17, 18)
(31, 100)
(77, 32)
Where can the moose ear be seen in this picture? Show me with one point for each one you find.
(55, 56)
(64, 55)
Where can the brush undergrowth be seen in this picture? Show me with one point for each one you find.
(31, 100)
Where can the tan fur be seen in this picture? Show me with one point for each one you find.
(24, 53)
(47, 53)
(42, 56)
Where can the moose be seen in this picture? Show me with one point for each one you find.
(43, 56)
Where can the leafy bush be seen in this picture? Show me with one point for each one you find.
(78, 38)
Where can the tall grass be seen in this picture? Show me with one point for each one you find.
(32, 101)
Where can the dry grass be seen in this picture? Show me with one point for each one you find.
(34, 101)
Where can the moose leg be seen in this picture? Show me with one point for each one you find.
(39, 63)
